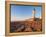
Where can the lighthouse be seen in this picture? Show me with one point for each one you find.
(33, 14)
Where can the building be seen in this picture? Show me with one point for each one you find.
(33, 14)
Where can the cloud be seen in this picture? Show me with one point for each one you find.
(14, 18)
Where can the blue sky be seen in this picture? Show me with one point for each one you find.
(19, 12)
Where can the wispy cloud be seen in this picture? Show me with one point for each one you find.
(13, 18)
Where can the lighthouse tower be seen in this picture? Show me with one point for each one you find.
(33, 14)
